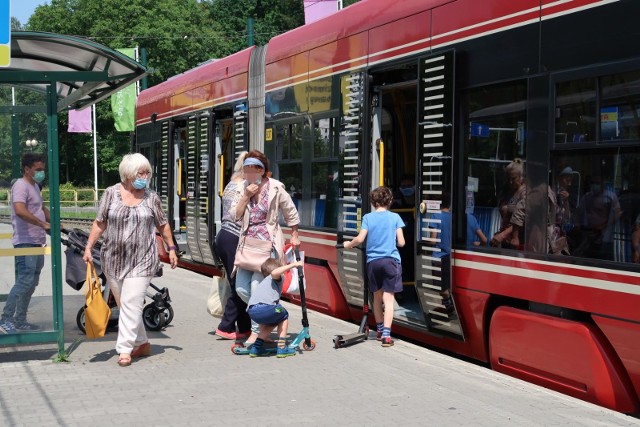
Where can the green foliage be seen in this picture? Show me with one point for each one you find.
(271, 17)
(178, 35)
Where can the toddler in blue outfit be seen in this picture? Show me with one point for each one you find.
(265, 310)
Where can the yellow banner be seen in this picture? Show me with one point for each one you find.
(26, 251)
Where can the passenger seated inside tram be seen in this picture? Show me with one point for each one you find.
(635, 241)
(512, 208)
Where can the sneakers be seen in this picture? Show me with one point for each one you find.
(7, 327)
(285, 352)
(26, 327)
(387, 342)
(257, 350)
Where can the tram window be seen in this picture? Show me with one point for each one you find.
(619, 111)
(575, 111)
(325, 143)
(599, 201)
(289, 141)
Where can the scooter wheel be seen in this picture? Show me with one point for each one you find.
(235, 347)
(336, 341)
(366, 332)
(306, 347)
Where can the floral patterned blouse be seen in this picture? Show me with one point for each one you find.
(129, 248)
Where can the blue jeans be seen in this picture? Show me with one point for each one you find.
(246, 282)
(27, 270)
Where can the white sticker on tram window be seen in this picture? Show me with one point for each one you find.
(472, 184)
(433, 204)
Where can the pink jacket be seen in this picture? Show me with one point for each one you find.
(279, 202)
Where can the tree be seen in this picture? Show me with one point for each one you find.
(271, 17)
(178, 35)
(15, 24)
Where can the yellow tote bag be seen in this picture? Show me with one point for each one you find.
(97, 312)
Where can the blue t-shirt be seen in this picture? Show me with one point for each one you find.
(472, 227)
(381, 234)
(445, 233)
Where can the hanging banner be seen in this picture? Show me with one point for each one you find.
(5, 33)
(123, 103)
(80, 121)
(318, 9)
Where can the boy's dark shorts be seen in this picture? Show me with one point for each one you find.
(267, 314)
(385, 274)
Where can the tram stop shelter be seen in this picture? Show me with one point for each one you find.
(48, 73)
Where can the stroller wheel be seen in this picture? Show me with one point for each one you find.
(80, 319)
(153, 319)
(168, 314)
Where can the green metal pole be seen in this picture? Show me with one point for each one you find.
(250, 32)
(16, 170)
(143, 60)
(54, 209)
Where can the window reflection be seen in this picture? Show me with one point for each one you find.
(495, 136)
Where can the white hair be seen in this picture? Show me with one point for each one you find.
(131, 164)
(237, 168)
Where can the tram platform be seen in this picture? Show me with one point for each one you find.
(193, 379)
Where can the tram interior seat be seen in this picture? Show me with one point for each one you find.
(489, 219)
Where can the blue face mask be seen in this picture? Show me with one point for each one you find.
(38, 176)
(407, 192)
(140, 183)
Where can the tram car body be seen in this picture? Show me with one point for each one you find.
(438, 96)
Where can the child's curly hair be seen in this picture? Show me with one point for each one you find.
(381, 197)
(269, 265)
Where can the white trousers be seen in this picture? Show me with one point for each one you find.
(129, 294)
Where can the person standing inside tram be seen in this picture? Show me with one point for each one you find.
(129, 216)
(598, 212)
(512, 209)
(259, 208)
(30, 220)
(235, 310)
(382, 229)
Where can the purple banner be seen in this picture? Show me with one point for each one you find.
(80, 121)
(318, 9)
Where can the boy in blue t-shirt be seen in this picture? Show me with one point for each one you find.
(383, 232)
(264, 308)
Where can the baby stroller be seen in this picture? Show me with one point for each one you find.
(157, 314)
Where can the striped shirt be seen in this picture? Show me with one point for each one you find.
(232, 193)
(129, 248)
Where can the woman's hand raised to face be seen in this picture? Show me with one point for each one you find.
(251, 190)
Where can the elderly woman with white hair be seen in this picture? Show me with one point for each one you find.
(129, 216)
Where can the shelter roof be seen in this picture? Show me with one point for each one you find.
(84, 72)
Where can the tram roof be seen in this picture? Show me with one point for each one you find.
(84, 72)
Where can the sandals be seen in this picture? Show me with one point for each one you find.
(124, 360)
(142, 350)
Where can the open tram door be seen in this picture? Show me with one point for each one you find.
(434, 283)
(191, 142)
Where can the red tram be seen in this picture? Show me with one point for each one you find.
(434, 98)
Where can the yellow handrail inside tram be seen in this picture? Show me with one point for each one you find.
(221, 189)
(381, 177)
(179, 190)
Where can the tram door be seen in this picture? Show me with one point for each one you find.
(434, 233)
(393, 146)
(196, 162)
